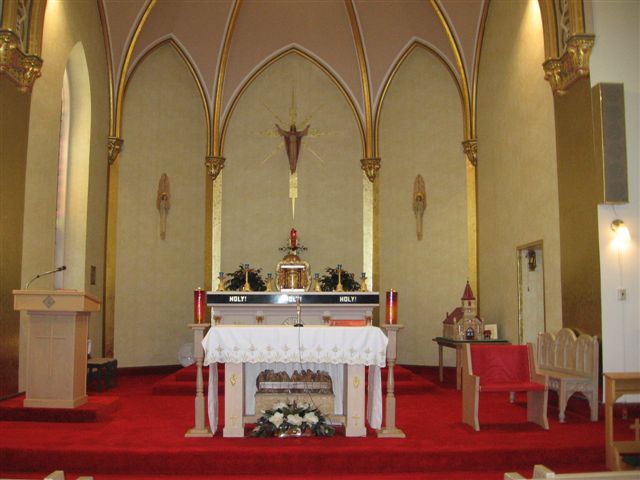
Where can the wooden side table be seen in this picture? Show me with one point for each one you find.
(617, 384)
(457, 344)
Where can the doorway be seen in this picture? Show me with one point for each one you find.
(531, 318)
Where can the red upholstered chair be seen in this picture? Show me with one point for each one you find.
(502, 368)
(348, 323)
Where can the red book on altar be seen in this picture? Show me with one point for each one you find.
(348, 323)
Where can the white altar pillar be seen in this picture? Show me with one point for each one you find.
(233, 400)
(355, 417)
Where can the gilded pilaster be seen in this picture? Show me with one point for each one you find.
(470, 149)
(563, 72)
(370, 166)
(22, 69)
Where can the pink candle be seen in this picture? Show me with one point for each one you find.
(199, 305)
(392, 307)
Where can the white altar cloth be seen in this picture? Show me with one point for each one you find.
(241, 344)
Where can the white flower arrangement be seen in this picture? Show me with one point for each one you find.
(292, 419)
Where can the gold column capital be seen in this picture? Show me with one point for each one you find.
(470, 148)
(371, 166)
(562, 72)
(214, 166)
(114, 145)
(22, 69)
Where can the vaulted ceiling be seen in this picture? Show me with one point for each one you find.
(359, 41)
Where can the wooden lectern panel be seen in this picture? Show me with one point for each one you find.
(57, 360)
(57, 332)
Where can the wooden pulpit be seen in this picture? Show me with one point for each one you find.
(58, 324)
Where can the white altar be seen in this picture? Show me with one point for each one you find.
(343, 351)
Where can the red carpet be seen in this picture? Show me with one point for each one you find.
(144, 438)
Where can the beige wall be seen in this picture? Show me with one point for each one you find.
(164, 132)
(256, 210)
(13, 158)
(517, 184)
(66, 24)
(420, 133)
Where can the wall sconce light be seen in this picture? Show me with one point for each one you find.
(531, 260)
(620, 230)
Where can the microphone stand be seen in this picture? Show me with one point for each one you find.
(55, 270)
(298, 313)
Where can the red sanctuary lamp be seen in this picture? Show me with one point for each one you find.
(293, 239)
(199, 305)
(392, 307)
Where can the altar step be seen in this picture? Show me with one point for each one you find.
(97, 408)
(183, 382)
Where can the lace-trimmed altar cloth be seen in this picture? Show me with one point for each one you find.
(287, 344)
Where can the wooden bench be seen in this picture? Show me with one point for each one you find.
(102, 372)
(572, 366)
(502, 368)
(540, 471)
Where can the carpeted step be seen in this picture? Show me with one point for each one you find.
(97, 407)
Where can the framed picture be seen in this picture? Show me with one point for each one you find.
(490, 331)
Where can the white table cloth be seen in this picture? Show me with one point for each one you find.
(287, 344)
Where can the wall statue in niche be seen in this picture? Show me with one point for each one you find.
(419, 203)
(163, 203)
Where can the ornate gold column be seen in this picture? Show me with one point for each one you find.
(22, 69)
(370, 211)
(213, 220)
(470, 148)
(114, 147)
(563, 72)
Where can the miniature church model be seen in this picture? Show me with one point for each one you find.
(464, 323)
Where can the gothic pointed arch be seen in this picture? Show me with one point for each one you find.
(294, 50)
(173, 42)
(416, 44)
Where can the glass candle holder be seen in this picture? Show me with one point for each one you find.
(199, 305)
(392, 307)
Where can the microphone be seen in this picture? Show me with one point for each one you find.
(55, 270)
(298, 313)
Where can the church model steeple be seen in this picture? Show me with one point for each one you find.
(469, 308)
(463, 323)
(471, 323)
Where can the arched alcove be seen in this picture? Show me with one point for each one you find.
(420, 130)
(255, 181)
(165, 132)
